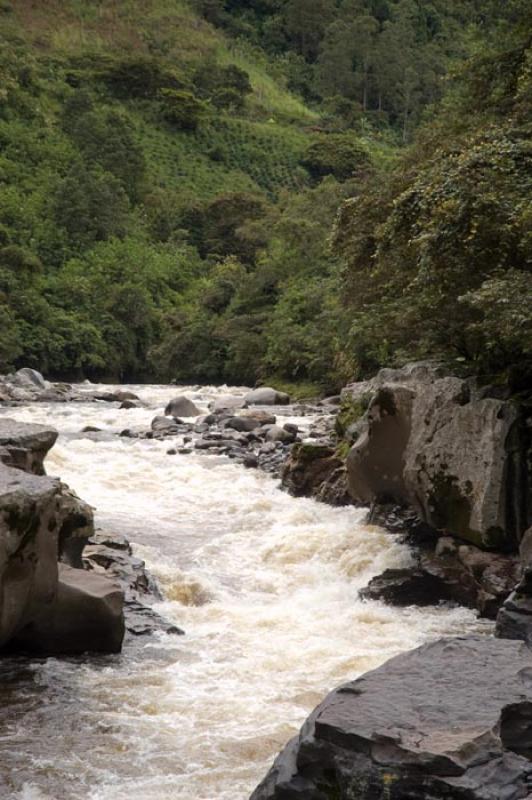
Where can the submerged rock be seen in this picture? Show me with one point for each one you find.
(448, 721)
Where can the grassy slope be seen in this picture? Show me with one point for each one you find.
(257, 151)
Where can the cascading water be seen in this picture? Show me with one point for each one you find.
(265, 587)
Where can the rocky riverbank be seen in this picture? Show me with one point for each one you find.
(65, 588)
(446, 464)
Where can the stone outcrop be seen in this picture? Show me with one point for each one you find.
(441, 445)
(48, 604)
(25, 446)
(314, 469)
(514, 620)
(85, 614)
(451, 720)
(111, 556)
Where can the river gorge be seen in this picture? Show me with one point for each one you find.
(266, 588)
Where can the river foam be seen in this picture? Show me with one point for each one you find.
(266, 588)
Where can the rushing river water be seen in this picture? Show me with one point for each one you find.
(265, 587)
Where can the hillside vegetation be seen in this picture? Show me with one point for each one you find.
(171, 171)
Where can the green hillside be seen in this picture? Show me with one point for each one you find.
(171, 171)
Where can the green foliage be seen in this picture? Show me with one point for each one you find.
(136, 76)
(91, 206)
(439, 256)
(167, 200)
(340, 155)
(181, 108)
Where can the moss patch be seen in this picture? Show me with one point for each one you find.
(351, 411)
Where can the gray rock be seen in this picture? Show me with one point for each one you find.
(266, 396)
(86, 615)
(165, 425)
(29, 377)
(250, 420)
(127, 404)
(276, 434)
(514, 620)
(42, 522)
(181, 406)
(227, 402)
(24, 445)
(437, 443)
(447, 721)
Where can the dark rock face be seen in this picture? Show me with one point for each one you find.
(86, 614)
(25, 446)
(448, 721)
(314, 469)
(445, 571)
(514, 620)
(110, 555)
(438, 444)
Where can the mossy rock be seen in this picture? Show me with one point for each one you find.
(351, 412)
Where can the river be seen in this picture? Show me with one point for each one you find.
(265, 587)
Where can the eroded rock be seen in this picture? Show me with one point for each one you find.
(439, 444)
(447, 721)
(24, 445)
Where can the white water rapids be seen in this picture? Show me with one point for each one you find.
(265, 587)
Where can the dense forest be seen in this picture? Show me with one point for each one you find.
(241, 191)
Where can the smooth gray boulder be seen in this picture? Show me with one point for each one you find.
(437, 443)
(451, 720)
(266, 396)
(24, 445)
(29, 378)
(86, 615)
(181, 406)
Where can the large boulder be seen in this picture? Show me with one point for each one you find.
(29, 378)
(440, 445)
(451, 720)
(181, 406)
(266, 396)
(28, 547)
(42, 522)
(24, 445)
(85, 615)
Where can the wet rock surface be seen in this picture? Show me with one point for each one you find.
(447, 721)
(255, 437)
(111, 555)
